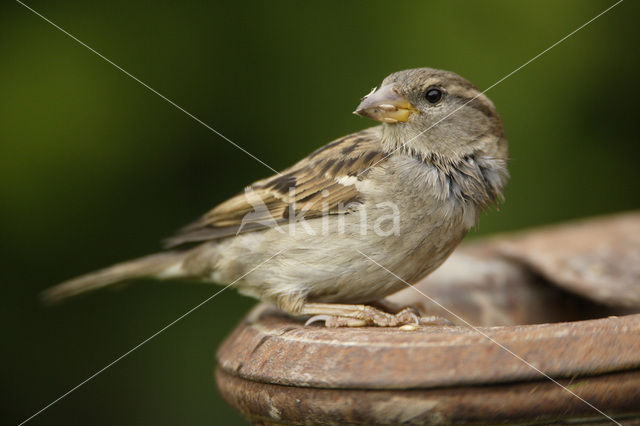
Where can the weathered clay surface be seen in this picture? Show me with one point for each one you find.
(541, 402)
(276, 349)
(596, 258)
(486, 290)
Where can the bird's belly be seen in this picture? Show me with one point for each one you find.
(365, 260)
(379, 268)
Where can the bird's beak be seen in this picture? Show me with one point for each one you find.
(386, 105)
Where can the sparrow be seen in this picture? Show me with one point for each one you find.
(402, 194)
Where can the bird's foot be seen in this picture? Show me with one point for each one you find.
(337, 315)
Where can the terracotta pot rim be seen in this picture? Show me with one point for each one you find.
(276, 349)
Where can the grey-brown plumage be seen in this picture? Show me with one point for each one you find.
(437, 160)
(320, 171)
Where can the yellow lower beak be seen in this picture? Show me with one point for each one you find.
(386, 105)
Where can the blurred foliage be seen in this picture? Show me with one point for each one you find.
(95, 168)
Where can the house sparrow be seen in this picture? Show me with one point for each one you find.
(404, 193)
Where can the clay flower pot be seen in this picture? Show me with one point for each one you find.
(544, 331)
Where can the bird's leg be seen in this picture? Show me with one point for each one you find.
(338, 315)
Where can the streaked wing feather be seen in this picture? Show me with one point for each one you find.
(308, 189)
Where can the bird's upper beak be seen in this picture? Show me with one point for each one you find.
(386, 105)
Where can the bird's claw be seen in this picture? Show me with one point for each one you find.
(334, 321)
(370, 316)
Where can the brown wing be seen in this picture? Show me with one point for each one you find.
(321, 183)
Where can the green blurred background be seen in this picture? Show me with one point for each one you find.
(96, 169)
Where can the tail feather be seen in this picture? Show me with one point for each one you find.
(159, 265)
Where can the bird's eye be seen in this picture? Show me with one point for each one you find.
(433, 95)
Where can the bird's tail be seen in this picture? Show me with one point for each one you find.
(159, 265)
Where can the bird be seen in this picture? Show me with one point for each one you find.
(319, 239)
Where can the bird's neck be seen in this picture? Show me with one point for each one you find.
(473, 176)
(430, 143)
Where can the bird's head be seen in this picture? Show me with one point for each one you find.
(435, 111)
